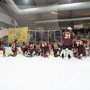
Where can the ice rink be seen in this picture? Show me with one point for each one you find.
(38, 73)
(44, 26)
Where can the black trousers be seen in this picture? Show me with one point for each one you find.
(69, 47)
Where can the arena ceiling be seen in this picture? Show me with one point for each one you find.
(45, 2)
(39, 12)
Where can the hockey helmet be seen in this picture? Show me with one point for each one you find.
(23, 42)
(15, 40)
(29, 42)
(45, 39)
(78, 37)
(37, 42)
(53, 40)
(69, 28)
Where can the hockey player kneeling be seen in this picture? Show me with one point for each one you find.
(55, 46)
(79, 45)
(24, 48)
(31, 49)
(38, 49)
(89, 50)
(68, 37)
(2, 48)
(14, 48)
(75, 52)
(44, 48)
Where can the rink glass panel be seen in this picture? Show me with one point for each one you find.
(21, 35)
(49, 35)
(4, 33)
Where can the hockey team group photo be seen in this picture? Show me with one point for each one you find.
(71, 46)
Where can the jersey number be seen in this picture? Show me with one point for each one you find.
(55, 46)
(44, 44)
(67, 36)
(13, 45)
(79, 43)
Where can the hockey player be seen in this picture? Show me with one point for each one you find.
(44, 48)
(68, 37)
(2, 48)
(31, 48)
(49, 50)
(14, 48)
(89, 50)
(86, 48)
(24, 48)
(55, 46)
(79, 46)
(75, 52)
(38, 49)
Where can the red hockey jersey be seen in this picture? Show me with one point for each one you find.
(68, 36)
(2, 42)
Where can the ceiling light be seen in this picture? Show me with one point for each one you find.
(26, 1)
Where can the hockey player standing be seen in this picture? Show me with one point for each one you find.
(68, 37)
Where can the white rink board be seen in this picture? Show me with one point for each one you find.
(8, 50)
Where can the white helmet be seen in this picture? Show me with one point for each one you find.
(69, 28)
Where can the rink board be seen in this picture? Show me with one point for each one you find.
(8, 51)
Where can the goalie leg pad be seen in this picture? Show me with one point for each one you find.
(63, 52)
(69, 52)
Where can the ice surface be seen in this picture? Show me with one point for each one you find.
(38, 73)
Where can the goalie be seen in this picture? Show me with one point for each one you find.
(68, 37)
